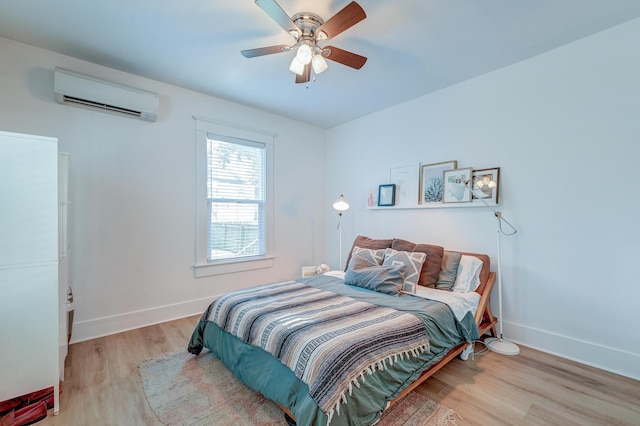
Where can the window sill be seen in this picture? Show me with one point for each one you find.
(232, 266)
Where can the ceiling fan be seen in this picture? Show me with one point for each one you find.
(308, 29)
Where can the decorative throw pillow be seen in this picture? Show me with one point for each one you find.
(468, 274)
(431, 267)
(363, 257)
(383, 279)
(366, 242)
(448, 270)
(413, 262)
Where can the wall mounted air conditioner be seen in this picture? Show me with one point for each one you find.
(89, 92)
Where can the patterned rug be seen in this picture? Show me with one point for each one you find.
(185, 390)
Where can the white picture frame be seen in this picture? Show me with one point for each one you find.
(406, 180)
(454, 186)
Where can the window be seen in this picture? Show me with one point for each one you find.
(234, 214)
(235, 198)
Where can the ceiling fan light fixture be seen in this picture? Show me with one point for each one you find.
(304, 54)
(307, 29)
(319, 64)
(296, 66)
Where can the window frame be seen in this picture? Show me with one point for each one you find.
(205, 129)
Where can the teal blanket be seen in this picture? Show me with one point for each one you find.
(260, 371)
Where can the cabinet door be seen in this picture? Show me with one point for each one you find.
(63, 204)
(29, 199)
(29, 333)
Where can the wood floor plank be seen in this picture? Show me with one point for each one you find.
(103, 388)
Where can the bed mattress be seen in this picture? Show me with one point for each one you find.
(364, 404)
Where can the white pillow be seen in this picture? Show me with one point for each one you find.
(468, 277)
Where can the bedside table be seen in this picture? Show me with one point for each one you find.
(308, 271)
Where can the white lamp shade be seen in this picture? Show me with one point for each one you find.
(319, 63)
(485, 181)
(296, 66)
(304, 54)
(341, 204)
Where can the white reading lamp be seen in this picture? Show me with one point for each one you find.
(340, 205)
(497, 344)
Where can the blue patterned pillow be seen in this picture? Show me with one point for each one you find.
(413, 266)
(383, 279)
(363, 257)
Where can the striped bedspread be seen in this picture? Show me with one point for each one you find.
(331, 342)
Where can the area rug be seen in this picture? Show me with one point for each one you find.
(187, 390)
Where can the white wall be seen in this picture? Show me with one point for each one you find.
(564, 128)
(132, 188)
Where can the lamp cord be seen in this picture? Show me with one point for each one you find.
(502, 219)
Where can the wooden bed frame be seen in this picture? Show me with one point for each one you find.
(485, 322)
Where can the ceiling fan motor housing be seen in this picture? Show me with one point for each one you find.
(308, 24)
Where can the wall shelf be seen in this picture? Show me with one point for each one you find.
(430, 206)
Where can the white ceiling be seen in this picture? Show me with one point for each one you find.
(413, 47)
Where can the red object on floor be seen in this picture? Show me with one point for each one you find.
(45, 395)
(11, 404)
(26, 415)
(28, 399)
(26, 409)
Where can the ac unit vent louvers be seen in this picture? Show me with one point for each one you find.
(84, 102)
(88, 92)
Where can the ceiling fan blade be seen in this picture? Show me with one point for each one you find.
(306, 75)
(350, 15)
(252, 53)
(276, 13)
(344, 57)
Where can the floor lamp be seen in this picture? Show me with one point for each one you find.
(498, 344)
(340, 205)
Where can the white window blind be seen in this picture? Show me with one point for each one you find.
(235, 198)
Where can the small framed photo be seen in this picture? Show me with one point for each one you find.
(387, 195)
(486, 186)
(455, 188)
(431, 181)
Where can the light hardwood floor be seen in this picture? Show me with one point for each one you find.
(102, 385)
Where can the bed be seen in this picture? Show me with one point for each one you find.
(341, 347)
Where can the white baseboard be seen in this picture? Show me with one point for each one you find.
(589, 353)
(105, 326)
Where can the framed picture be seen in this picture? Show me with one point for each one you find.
(406, 181)
(431, 181)
(387, 195)
(486, 186)
(455, 188)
